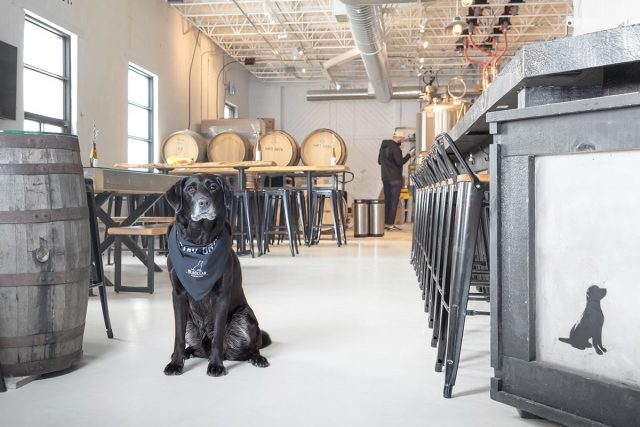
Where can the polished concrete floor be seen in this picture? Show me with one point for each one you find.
(350, 349)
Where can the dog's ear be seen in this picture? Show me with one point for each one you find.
(174, 195)
(226, 190)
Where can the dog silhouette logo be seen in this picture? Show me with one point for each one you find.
(589, 326)
(196, 270)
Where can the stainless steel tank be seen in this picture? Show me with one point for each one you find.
(433, 120)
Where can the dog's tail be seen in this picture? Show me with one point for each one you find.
(265, 339)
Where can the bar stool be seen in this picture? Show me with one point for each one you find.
(278, 201)
(243, 217)
(97, 271)
(466, 253)
(450, 248)
(319, 195)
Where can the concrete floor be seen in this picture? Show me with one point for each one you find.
(350, 349)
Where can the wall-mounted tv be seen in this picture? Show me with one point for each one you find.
(8, 80)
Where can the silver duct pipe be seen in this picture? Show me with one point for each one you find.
(369, 2)
(367, 28)
(351, 94)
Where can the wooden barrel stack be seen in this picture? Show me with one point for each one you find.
(229, 147)
(279, 147)
(319, 145)
(44, 251)
(184, 145)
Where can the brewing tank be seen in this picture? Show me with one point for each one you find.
(433, 120)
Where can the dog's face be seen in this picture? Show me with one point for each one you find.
(595, 293)
(200, 197)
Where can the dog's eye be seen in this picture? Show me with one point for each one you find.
(191, 189)
(213, 187)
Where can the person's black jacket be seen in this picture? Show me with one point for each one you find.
(390, 160)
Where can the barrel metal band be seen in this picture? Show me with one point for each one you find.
(44, 278)
(50, 142)
(42, 169)
(42, 339)
(43, 215)
(42, 366)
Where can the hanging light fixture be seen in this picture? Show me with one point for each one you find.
(457, 25)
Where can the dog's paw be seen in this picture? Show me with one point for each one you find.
(173, 368)
(259, 361)
(216, 370)
(598, 350)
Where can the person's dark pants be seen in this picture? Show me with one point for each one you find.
(391, 197)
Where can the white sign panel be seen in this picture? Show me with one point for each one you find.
(587, 263)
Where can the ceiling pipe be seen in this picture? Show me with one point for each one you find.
(351, 94)
(410, 92)
(370, 2)
(367, 28)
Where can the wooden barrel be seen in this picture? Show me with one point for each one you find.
(229, 147)
(44, 251)
(319, 145)
(279, 147)
(184, 145)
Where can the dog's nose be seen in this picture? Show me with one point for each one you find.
(204, 203)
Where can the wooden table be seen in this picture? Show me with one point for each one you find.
(109, 182)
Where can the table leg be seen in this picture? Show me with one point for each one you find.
(310, 209)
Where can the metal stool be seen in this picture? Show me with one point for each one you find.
(244, 221)
(319, 195)
(278, 201)
(97, 271)
(449, 249)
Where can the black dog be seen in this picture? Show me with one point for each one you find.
(590, 323)
(212, 315)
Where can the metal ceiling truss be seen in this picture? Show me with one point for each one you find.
(292, 39)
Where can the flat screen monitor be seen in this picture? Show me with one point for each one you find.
(8, 80)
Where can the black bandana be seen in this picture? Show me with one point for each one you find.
(198, 267)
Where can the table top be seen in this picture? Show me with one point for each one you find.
(220, 165)
(129, 182)
(265, 170)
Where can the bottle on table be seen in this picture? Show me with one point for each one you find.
(93, 156)
(333, 160)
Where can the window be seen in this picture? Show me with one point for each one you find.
(46, 77)
(140, 116)
(230, 111)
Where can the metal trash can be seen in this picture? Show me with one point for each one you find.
(376, 218)
(360, 218)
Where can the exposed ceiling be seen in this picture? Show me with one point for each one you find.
(302, 41)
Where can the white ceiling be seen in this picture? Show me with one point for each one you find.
(273, 32)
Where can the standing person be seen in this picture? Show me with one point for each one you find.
(391, 161)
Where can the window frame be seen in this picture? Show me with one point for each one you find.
(232, 108)
(65, 122)
(149, 108)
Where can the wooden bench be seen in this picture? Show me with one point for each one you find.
(147, 219)
(148, 231)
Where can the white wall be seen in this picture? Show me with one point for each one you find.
(113, 33)
(597, 15)
(363, 124)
